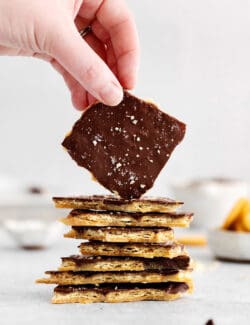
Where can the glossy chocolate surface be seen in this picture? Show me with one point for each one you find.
(181, 262)
(124, 146)
(170, 287)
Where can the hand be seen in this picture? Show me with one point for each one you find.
(96, 67)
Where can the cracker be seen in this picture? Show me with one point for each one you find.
(113, 203)
(84, 277)
(126, 219)
(139, 249)
(123, 235)
(126, 146)
(114, 293)
(106, 263)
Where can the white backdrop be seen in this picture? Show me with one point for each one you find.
(195, 63)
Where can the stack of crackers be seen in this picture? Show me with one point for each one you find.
(130, 254)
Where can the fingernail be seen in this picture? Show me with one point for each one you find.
(111, 94)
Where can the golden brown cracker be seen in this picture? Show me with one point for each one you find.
(122, 234)
(125, 219)
(133, 249)
(120, 293)
(111, 263)
(83, 277)
(114, 203)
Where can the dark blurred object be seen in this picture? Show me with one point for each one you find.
(34, 233)
(210, 322)
(35, 190)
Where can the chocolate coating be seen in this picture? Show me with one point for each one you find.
(170, 287)
(114, 200)
(135, 215)
(177, 263)
(122, 273)
(80, 229)
(96, 242)
(126, 146)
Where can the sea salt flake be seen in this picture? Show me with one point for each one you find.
(118, 165)
(113, 160)
(142, 185)
(94, 142)
(98, 138)
(132, 178)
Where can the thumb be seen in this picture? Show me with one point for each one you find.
(79, 59)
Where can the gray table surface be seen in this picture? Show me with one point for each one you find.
(222, 292)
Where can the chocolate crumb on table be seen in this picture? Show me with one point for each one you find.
(125, 146)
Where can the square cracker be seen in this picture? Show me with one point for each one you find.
(114, 203)
(84, 277)
(126, 146)
(114, 293)
(113, 263)
(126, 219)
(146, 250)
(123, 234)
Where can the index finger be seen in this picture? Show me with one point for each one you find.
(118, 21)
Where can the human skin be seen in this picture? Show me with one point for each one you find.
(97, 67)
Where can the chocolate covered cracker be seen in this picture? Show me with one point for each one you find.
(113, 263)
(118, 292)
(114, 203)
(126, 146)
(126, 219)
(85, 277)
(132, 249)
(123, 234)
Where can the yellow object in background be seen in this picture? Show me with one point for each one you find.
(245, 220)
(238, 218)
(192, 240)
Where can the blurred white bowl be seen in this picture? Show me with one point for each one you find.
(28, 215)
(209, 199)
(230, 245)
(33, 233)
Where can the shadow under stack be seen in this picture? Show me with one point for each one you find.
(130, 253)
